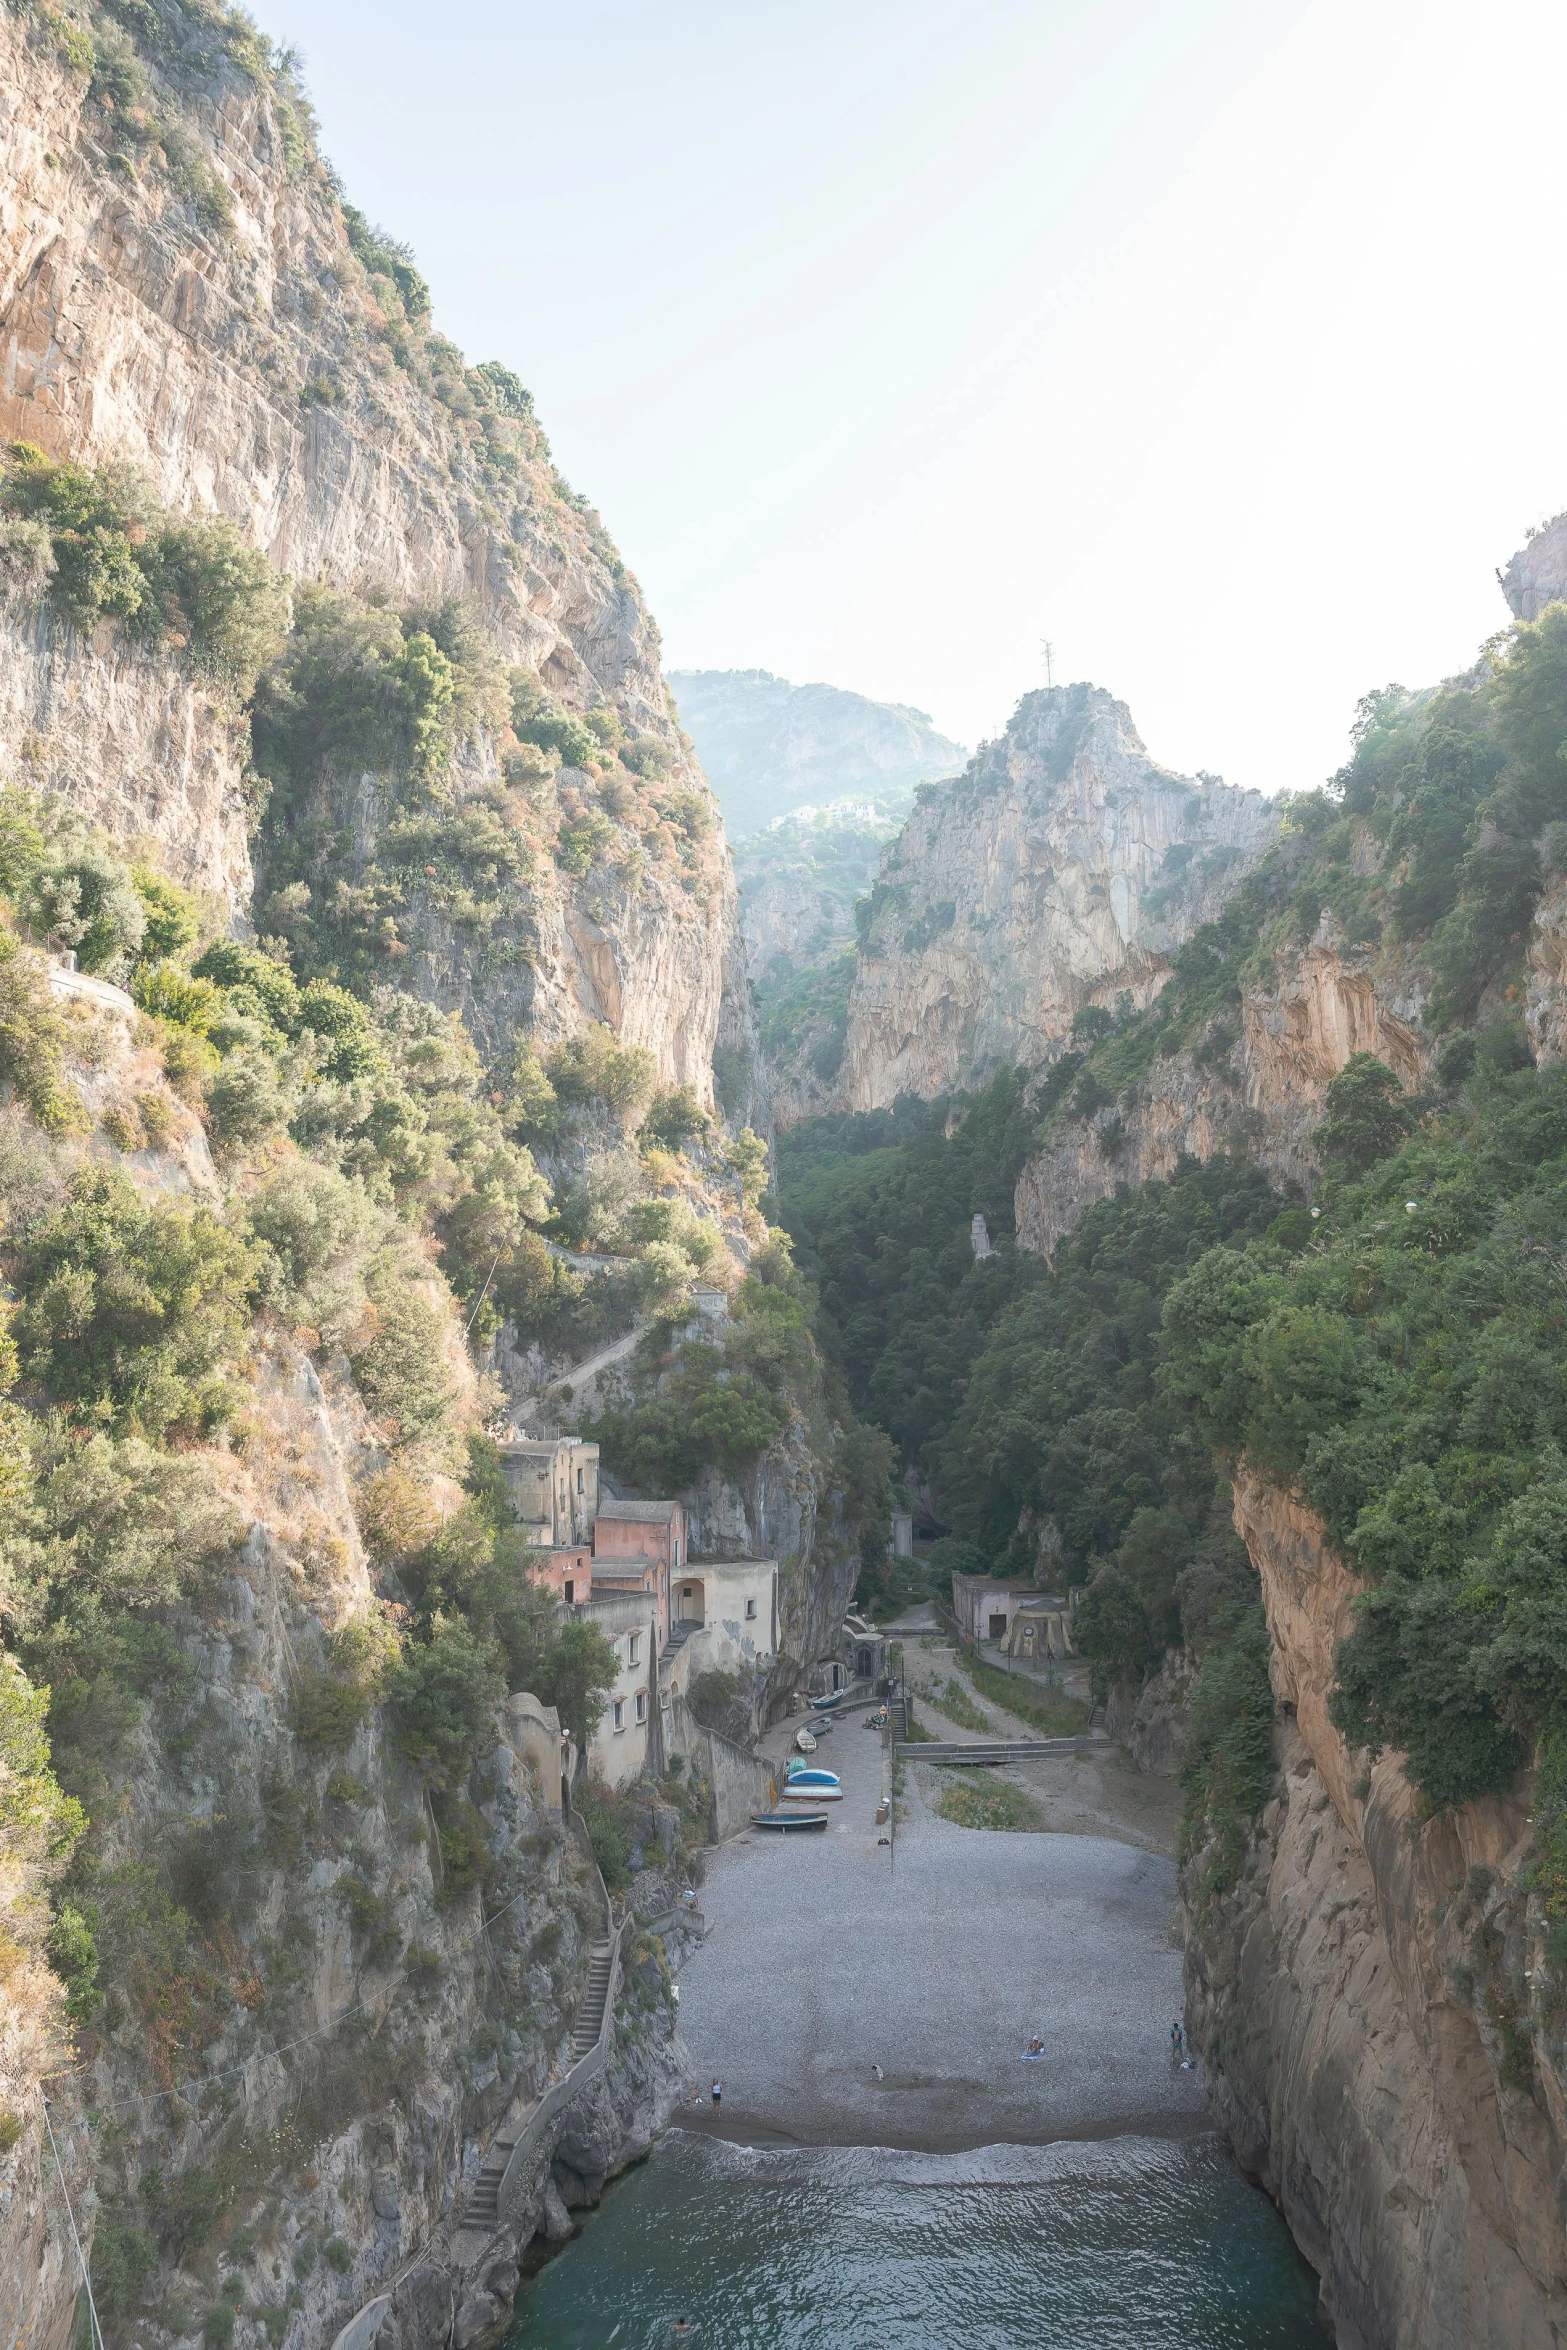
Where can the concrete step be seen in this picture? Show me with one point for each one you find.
(482, 2209)
(994, 1750)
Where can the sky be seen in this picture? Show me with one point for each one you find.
(1217, 343)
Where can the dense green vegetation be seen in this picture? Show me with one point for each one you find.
(978, 1799)
(1405, 1375)
(1395, 1357)
(720, 1403)
(884, 1230)
(806, 1012)
(1027, 1395)
(354, 1135)
(99, 548)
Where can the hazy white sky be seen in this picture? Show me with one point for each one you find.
(1220, 341)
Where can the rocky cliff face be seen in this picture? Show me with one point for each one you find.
(1364, 2001)
(350, 2003)
(1061, 871)
(1256, 1086)
(1537, 574)
(181, 290)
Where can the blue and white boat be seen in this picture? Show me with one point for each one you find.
(814, 1786)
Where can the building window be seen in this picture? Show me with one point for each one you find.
(641, 1705)
(635, 1645)
(750, 1611)
(618, 1713)
(579, 1480)
(571, 1592)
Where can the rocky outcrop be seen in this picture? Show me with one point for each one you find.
(1061, 871)
(1545, 990)
(1362, 2000)
(215, 328)
(1149, 1717)
(133, 741)
(1537, 574)
(781, 1509)
(770, 746)
(460, 2290)
(1256, 1086)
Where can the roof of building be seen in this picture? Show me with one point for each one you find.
(623, 1570)
(639, 1513)
(992, 1583)
(539, 1448)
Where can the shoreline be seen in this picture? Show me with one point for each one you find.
(766, 2135)
(849, 1995)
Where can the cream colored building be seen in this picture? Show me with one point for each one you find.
(628, 1739)
(554, 1483)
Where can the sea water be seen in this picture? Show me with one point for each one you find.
(1124, 2244)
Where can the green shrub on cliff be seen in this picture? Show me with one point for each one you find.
(185, 581)
(32, 1040)
(132, 1313)
(1405, 1376)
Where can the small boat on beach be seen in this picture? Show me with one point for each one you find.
(805, 1742)
(786, 1821)
(806, 1775)
(824, 1705)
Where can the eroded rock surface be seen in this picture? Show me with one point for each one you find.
(1355, 1998)
(1061, 870)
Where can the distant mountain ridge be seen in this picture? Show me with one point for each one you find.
(769, 747)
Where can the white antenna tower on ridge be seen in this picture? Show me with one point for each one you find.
(1048, 649)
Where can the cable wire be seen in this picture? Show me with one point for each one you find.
(92, 2306)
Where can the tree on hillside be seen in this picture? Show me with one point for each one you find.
(1368, 1116)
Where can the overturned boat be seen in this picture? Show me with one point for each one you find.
(786, 1822)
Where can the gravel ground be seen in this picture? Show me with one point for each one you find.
(849, 1998)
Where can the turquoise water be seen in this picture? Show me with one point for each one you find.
(1132, 2244)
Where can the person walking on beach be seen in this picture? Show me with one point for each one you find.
(1177, 2038)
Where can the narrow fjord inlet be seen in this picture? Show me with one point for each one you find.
(783, 1511)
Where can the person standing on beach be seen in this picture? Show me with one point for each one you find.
(718, 2094)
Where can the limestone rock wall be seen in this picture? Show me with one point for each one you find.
(1258, 1088)
(249, 369)
(1351, 1998)
(1537, 574)
(133, 741)
(1061, 870)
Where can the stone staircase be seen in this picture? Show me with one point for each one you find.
(679, 1634)
(483, 2207)
(590, 2016)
